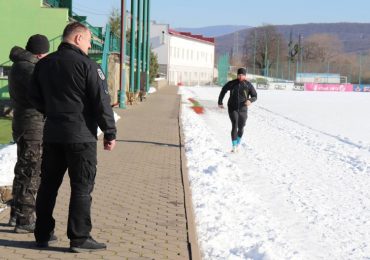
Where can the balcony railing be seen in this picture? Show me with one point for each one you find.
(53, 3)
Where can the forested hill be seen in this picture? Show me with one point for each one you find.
(354, 36)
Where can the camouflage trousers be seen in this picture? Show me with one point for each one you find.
(26, 181)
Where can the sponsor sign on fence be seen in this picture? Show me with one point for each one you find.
(328, 87)
(361, 88)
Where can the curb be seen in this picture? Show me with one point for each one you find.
(194, 250)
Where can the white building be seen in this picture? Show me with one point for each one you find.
(184, 58)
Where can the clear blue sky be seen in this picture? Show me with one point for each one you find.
(200, 13)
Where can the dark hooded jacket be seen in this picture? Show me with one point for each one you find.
(27, 121)
(240, 92)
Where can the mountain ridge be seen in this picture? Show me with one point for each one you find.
(354, 36)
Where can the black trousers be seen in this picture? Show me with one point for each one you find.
(238, 119)
(80, 160)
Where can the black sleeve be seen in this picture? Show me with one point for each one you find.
(97, 91)
(223, 92)
(34, 91)
(252, 93)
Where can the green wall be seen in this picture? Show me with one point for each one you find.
(19, 19)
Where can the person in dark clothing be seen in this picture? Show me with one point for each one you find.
(71, 91)
(242, 94)
(27, 127)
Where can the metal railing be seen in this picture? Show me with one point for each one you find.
(53, 3)
(97, 31)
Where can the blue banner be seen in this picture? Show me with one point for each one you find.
(361, 88)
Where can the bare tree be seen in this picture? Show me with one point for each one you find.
(322, 52)
(263, 48)
(115, 21)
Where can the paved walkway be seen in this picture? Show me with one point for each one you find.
(139, 204)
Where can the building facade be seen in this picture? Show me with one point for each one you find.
(183, 58)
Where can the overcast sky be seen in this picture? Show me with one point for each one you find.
(200, 13)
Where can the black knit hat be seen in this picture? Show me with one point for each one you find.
(242, 71)
(38, 44)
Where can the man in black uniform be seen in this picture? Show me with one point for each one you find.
(71, 91)
(242, 94)
(27, 127)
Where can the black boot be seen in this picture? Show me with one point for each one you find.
(53, 239)
(89, 245)
(23, 229)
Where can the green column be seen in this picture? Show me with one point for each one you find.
(122, 96)
(139, 46)
(148, 47)
(133, 50)
(145, 31)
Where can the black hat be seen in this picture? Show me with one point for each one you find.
(38, 44)
(242, 71)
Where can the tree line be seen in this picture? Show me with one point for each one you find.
(267, 52)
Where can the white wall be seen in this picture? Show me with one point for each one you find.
(189, 61)
(158, 41)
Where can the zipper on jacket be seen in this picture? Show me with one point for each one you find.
(238, 98)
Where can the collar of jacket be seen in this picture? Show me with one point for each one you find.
(66, 45)
(20, 54)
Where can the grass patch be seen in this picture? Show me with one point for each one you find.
(6, 130)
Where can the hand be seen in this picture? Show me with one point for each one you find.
(109, 145)
(221, 106)
(248, 103)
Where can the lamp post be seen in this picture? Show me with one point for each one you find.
(254, 52)
(360, 70)
(277, 58)
(265, 61)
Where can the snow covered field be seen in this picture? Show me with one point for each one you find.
(299, 186)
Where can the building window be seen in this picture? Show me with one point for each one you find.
(4, 71)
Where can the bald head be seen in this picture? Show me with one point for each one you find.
(79, 35)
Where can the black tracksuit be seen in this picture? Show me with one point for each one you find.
(71, 91)
(240, 92)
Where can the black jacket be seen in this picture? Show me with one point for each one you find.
(71, 90)
(27, 121)
(240, 92)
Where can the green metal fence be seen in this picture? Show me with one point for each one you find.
(223, 69)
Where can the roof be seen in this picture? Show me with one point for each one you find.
(191, 36)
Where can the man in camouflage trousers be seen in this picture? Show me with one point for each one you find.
(27, 129)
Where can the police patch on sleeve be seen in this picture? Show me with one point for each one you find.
(101, 74)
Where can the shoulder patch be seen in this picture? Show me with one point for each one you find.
(101, 74)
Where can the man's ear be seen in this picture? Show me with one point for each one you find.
(77, 38)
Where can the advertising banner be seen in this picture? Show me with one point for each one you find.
(328, 87)
(361, 88)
